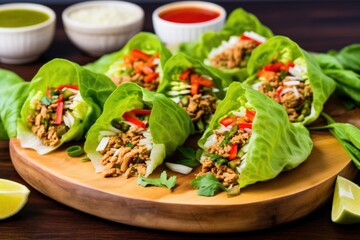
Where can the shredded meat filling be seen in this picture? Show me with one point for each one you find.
(235, 56)
(130, 158)
(295, 105)
(199, 106)
(42, 124)
(226, 175)
(137, 78)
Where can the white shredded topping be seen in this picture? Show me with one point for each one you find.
(103, 143)
(255, 36)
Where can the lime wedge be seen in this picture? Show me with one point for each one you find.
(346, 202)
(13, 197)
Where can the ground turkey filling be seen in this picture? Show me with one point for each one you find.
(296, 96)
(234, 56)
(130, 159)
(137, 67)
(198, 106)
(223, 149)
(197, 99)
(45, 123)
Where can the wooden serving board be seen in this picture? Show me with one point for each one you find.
(289, 196)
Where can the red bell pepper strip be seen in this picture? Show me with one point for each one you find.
(151, 77)
(141, 111)
(134, 120)
(59, 110)
(245, 125)
(228, 120)
(233, 152)
(185, 74)
(140, 54)
(250, 115)
(194, 88)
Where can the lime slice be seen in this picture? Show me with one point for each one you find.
(346, 202)
(13, 197)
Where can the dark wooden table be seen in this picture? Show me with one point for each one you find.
(315, 25)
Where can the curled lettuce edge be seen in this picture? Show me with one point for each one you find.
(267, 155)
(281, 47)
(145, 41)
(13, 93)
(167, 120)
(94, 89)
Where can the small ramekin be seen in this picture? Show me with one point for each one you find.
(21, 45)
(174, 33)
(97, 40)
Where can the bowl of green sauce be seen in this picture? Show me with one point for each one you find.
(26, 31)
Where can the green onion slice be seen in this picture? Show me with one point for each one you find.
(74, 151)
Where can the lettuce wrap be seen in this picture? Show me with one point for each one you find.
(196, 87)
(288, 74)
(13, 93)
(137, 130)
(229, 49)
(64, 100)
(141, 61)
(250, 139)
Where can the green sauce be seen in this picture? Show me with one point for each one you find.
(12, 18)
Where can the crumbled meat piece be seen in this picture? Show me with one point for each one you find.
(273, 86)
(200, 106)
(235, 56)
(223, 173)
(42, 124)
(130, 160)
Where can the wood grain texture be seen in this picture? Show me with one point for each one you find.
(289, 196)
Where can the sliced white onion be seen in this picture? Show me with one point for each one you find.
(211, 140)
(156, 61)
(256, 86)
(255, 36)
(248, 130)
(296, 92)
(68, 119)
(239, 114)
(179, 168)
(103, 143)
(286, 90)
(291, 83)
(145, 141)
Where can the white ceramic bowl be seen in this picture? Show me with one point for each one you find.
(172, 33)
(100, 27)
(20, 45)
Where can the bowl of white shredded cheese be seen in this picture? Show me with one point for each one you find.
(100, 27)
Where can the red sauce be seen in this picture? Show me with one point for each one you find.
(189, 15)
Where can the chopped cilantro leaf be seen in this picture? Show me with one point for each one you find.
(207, 185)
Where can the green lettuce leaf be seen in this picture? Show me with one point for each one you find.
(348, 57)
(344, 68)
(348, 135)
(94, 90)
(144, 41)
(276, 144)
(284, 49)
(237, 23)
(13, 93)
(169, 124)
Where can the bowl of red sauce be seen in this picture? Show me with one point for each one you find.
(186, 21)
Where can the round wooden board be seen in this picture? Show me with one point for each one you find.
(289, 196)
